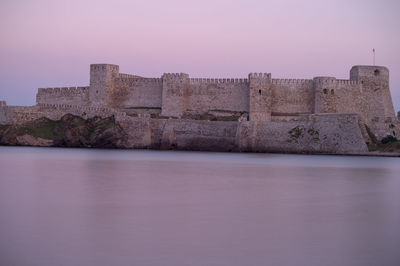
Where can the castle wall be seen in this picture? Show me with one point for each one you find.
(291, 96)
(330, 133)
(199, 135)
(3, 114)
(338, 96)
(137, 92)
(350, 97)
(18, 114)
(69, 95)
(320, 134)
(205, 95)
(56, 111)
(384, 126)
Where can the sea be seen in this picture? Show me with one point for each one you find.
(73, 207)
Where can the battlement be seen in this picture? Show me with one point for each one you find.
(63, 90)
(175, 76)
(291, 81)
(76, 107)
(332, 80)
(139, 79)
(56, 111)
(325, 80)
(77, 95)
(260, 76)
(104, 67)
(217, 80)
(127, 76)
(347, 82)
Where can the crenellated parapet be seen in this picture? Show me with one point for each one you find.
(175, 76)
(291, 81)
(260, 77)
(131, 82)
(347, 82)
(77, 95)
(56, 111)
(218, 81)
(127, 76)
(63, 90)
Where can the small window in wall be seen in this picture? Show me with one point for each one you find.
(332, 92)
(376, 72)
(325, 91)
(259, 92)
(97, 91)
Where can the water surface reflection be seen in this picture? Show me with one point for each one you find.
(107, 207)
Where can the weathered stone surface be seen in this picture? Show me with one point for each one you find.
(175, 111)
(321, 134)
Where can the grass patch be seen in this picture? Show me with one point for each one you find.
(4, 127)
(41, 128)
(388, 139)
(387, 144)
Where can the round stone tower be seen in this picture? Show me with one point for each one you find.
(324, 100)
(375, 87)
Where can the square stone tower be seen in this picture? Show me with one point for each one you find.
(102, 78)
(260, 96)
(174, 98)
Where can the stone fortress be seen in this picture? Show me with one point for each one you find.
(257, 113)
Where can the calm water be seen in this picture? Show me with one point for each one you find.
(105, 207)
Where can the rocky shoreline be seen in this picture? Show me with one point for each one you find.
(97, 132)
(69, 131)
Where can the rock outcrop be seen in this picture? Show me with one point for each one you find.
(328, 134)
(69, 131)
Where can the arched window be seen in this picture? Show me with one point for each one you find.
(325, 91)
(332, 91)
(259, 92)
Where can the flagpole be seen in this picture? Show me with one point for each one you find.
(373, 51)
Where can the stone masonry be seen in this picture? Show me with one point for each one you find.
(259, 100)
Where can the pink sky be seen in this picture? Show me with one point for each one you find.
(47, 43)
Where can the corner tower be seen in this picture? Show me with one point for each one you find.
(375, 85)
(102, 78)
